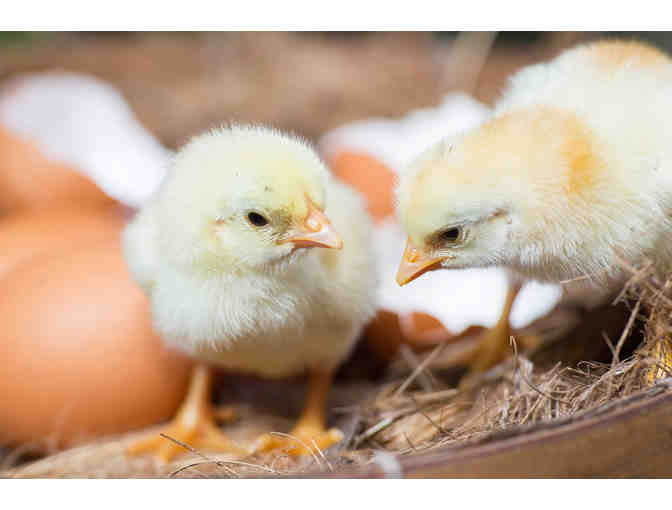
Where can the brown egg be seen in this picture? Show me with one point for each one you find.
(383, 335)
(29, 180)
(420, 331)
(78, 357)
(371, 177)
(29, 233)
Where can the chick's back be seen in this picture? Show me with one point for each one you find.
(620, 90)
(618, 97)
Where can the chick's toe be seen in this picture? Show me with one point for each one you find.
(301, 441)
(495, 344)
(194, 425)
(310, 433)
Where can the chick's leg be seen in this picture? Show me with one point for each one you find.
(310, 431)
(193, 425)
(494, 345)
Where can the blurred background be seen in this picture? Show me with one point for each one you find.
(179, 83)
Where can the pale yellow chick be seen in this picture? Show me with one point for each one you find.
(572, 173)
(255, 259)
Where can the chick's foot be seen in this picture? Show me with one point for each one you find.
(305, 440)
(205, 435)
(495, 344)
(310, 433)
(194, 425)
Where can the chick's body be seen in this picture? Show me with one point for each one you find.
(612, 105)
(305, 312)
(571, 173)
(226, 252)
(570, 177)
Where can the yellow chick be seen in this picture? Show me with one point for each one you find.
(226, 251)
(572, 173)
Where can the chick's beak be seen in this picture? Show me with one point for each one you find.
(414, 263)
(316, 231)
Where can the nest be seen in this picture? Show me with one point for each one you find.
(524, 390)
(417, 408)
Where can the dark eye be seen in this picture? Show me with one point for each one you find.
(451, 235)
(257, 219)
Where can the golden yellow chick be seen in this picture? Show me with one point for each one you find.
(255, 259)
(572, 172)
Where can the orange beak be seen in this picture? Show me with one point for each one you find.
(415, 263)
(316, 231)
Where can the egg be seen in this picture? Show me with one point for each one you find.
(28, 234)
(370, 177)
(78, 357)
(29, 180)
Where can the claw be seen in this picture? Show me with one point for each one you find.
(194, 425)
(299, 441)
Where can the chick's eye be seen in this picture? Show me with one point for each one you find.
(451, 235)
(257, 219)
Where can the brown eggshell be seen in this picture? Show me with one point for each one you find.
(78, 357)
(29, 180)
(420, 331)
(29, 233)
(371, 177)
(383, 335)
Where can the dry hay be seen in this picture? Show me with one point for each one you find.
(517, 392)
(418, 408)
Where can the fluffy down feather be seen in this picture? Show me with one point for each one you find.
(228, 292)
(571, 172)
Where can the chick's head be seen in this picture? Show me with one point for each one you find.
(244, 198)
(495, 194)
